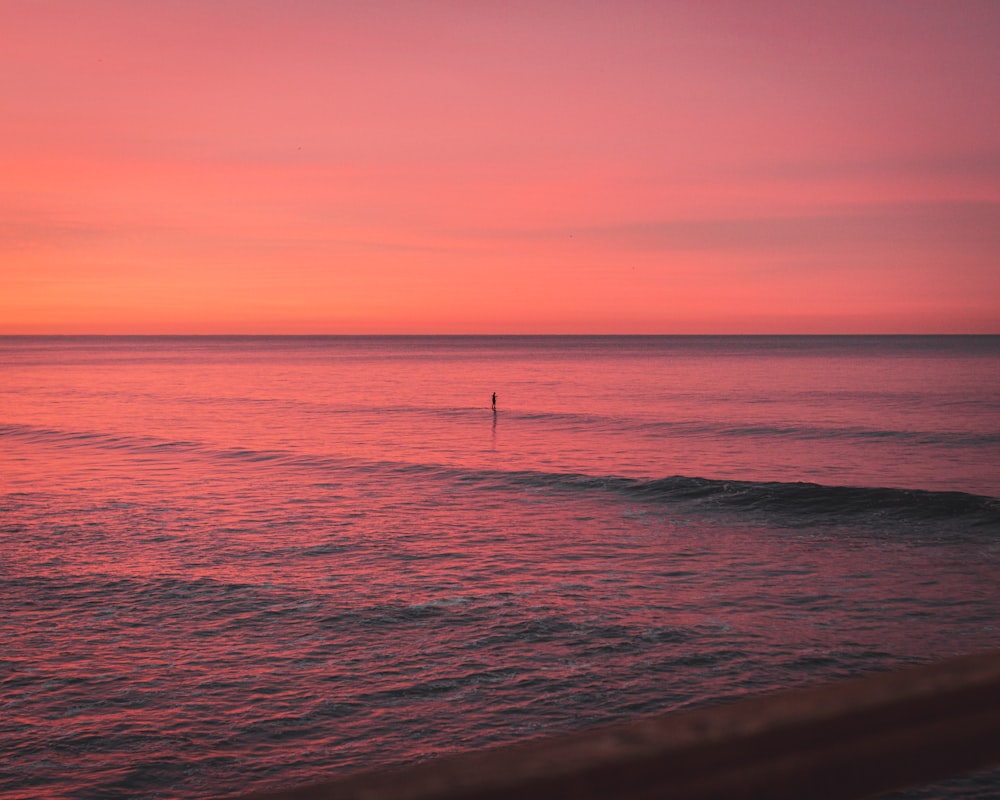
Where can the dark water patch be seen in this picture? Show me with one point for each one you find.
(811, 499)
(800, 502)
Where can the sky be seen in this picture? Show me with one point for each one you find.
(315, 166)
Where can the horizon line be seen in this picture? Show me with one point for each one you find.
(481, 335)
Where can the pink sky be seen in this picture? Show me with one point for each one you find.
(540, 167)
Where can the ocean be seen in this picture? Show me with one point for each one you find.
(238, 563)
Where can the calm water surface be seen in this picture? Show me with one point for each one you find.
(238, 563)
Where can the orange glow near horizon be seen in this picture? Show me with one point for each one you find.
(509, 168)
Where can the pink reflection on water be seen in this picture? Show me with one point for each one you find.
(839, 418)
(320, 560)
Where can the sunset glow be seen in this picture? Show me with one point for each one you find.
(447, 167)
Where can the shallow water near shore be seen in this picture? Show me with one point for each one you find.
(235, 563)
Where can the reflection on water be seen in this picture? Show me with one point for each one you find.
(230, 564)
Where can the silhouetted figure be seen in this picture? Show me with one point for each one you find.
(494, 401)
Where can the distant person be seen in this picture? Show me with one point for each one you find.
(494, 401)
